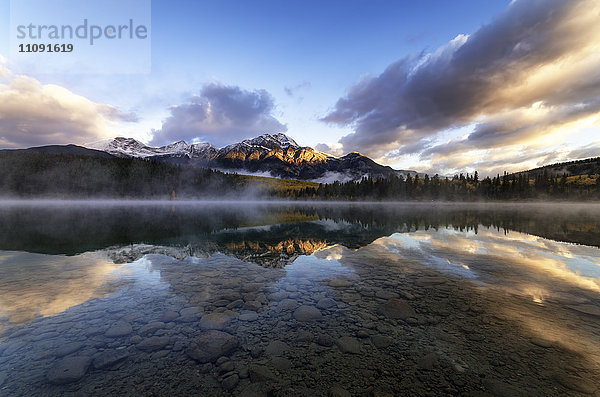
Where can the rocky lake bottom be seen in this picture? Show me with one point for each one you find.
(418, 312)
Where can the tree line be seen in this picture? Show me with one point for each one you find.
(82, 176)
(462, 187)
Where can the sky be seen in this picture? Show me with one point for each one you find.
(434, 86)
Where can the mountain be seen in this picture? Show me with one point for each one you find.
(589, 166)
(276, 155)
(61, 149)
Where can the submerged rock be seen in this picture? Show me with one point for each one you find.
(347, 344)
(120, 328)
(248, 316)
(68, 348)
(307, 313)
(260, 373)
(326, 303)
(338, 391)
(69, 370)
(281, 364)
(169, 316)
(214, 321)
(397, 309)
(151, 328)
(211, 345)
(276, 348)
(109, 358)
(338, 283)
(230, 382)
(381, 341)
(154, 343)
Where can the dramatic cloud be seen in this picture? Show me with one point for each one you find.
(522, 80)
(220, 115)
(32, 114)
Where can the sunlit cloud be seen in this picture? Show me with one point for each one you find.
(32, 113)
(525, 82)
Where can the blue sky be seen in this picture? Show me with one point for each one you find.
(313, 63)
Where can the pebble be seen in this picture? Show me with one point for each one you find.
(169, 316)
(109, 358)
(381, 341)
(230, 382)
(326, 303)
(347, 344)
(227, 366)
(281, 363)
(151, 328)
(337, 283)
(214, 321)
(288, 304)
(338, 391)
(260, 373)
(68, 348)
(248, 316)
(153, 343)
(325, 340)
(276, 348)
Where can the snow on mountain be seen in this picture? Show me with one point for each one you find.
(129, 147)
(276, 154)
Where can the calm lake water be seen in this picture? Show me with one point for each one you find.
(246, 299)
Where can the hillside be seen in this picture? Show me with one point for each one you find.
(589, 166)
(29, 173)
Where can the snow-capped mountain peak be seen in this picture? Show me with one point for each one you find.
(129, 147)
(276, 154)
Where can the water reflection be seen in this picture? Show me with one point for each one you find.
(305, 300)
(513, 260)
(33, 285)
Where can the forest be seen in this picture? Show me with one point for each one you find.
(522, 186)
(26, 175)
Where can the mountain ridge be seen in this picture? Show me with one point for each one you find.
(277, 155)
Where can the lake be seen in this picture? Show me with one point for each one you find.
(299, 299)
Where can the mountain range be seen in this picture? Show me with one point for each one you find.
(274, 155)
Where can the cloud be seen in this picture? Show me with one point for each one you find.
(220, 114)
(490, 163)
(520, 127)
(291, 91)
(591, 150)
(33, 114)
(334, 149)
(523, 79)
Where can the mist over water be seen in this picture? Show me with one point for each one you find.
(298, 298)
